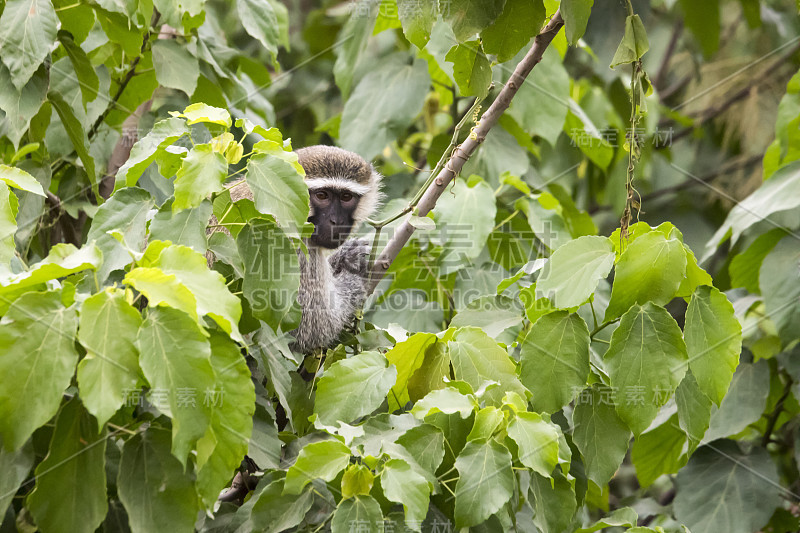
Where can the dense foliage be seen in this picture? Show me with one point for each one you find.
(531, 362)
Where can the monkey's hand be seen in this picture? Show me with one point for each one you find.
(351, 257)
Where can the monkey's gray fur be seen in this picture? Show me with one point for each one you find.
(333, 286)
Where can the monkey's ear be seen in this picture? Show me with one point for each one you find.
(371, 200)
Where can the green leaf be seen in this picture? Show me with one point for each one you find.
(202, 172)
(77, 19)
(778, 279)
(694, 410)
(174, 356)
(274, 511)
(384, 103)
(126, 211)
(468, 17)
(539, 105)
(15, 467)
(77, 135)
(649, 270)
(203, 113)
(492, 314)
(152, 485)
(634, 43)
(186, 227)
(119, 29)
(9, 207)
(537, 441)
(401, 484)
(19, 179)
(470, 219)
(776, 195)
(646, 361)
(571, 275)
(179, 277)
(357, 481)
(554, 360)
(477, 358)
(623, 517)
(431, 374)
(27, 34)
(722, 490)
(417, 19)
(471, 69)
(261, 20)
(21, 105)
(553, 501)
(703, 20)
(485, 482)
(426, 444)
(272, 273)
(39, 358)
(164, 133)
(447, 400)
(659, 451)
(175, 66)
(513, 29)
(354, 38)
(110, 369)
(278, 190)
(713, 341)
(600, 434)
(576, 16)
(407, 357)
(318, 460)
(354, 387)
(63, 260)
(744, 403)
(362, 512)
(587, 137)
(487, 421)
(75, 465)
(744, 267)
(695, 276)
(87, 77)
(231, 405)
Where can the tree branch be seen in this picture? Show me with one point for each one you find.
(463, 152)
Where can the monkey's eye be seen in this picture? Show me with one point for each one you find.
(321, 195)
(346, 196)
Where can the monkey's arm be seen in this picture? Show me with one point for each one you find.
(349, 266)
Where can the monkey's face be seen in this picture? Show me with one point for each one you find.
(332, 213)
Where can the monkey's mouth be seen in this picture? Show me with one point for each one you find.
(329, 236)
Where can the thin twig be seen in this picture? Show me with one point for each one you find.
(463, 152)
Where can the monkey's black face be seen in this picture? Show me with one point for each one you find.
(332, 212)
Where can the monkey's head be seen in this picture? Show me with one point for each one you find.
(344, 189)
